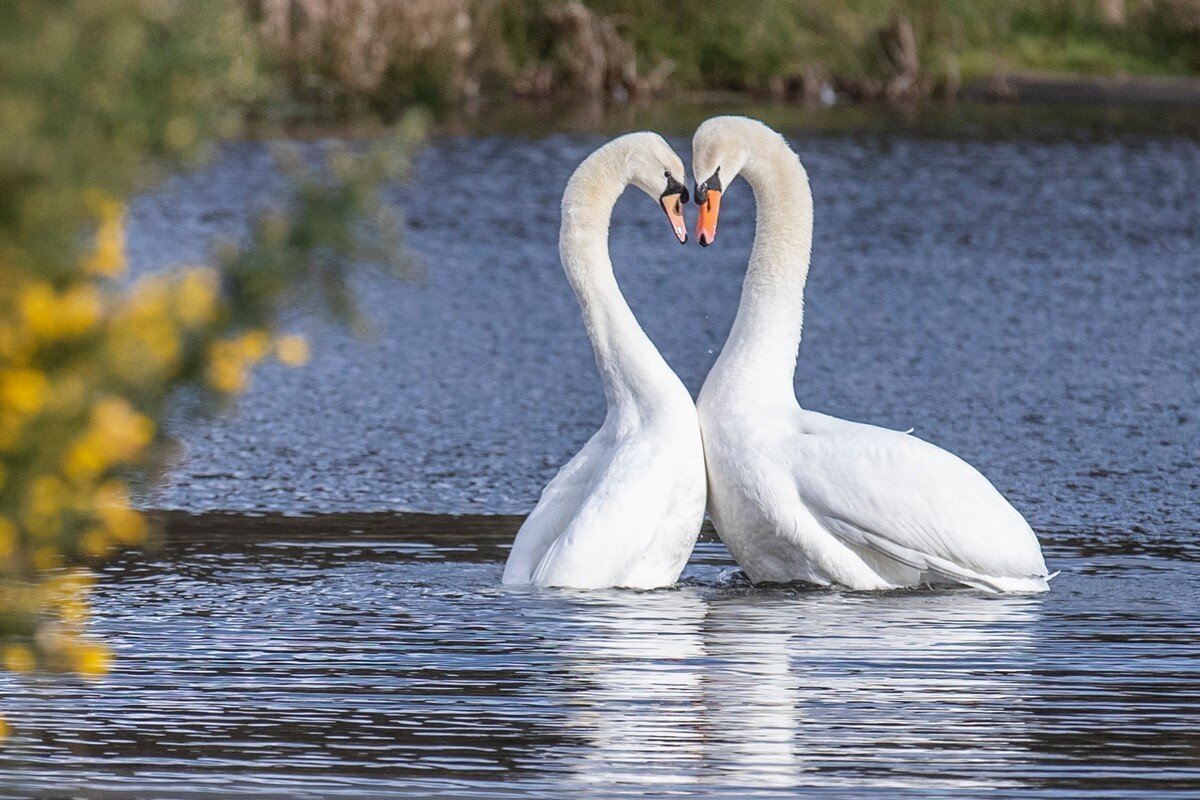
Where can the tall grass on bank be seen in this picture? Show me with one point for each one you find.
(96, 100)
(383, 54)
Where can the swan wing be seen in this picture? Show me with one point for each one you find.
(624, 510)
(559, 502)
(898, 496)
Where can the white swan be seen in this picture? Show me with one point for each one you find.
(625, 511)
(797, 495)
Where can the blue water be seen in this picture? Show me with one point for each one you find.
(1030, 303)
(379, 658)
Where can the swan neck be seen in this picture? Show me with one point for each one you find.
(631, 368)
(760, 355)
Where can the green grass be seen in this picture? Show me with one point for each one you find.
(750, 45)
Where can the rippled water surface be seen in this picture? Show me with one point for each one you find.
(1028, 303)
(377, 657)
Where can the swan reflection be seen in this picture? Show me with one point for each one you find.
(635, 664)
(847, 685)
(759, 690)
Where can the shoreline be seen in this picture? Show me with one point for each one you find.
(1033, 88)
(1014, 104)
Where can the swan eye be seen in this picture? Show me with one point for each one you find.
(674, 187)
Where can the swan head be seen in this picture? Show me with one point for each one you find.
(642, 159)
(654, 168)
(719, 152)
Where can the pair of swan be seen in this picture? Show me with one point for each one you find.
(794, 494)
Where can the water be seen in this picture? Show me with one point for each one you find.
(376, 656)
(1028, 302)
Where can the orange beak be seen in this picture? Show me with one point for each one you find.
(673, 205)
(706, 224)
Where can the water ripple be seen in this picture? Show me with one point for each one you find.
(309, 658)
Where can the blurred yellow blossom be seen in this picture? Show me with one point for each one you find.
(227, 367)
(292, 350)
(116, 434)
(89, 364)
(93, 660)
(196, 302)
(8, 538)
(51, 317)
(108, 253)
(120, 429)
(40, 310)
(79, 310)
(18, 658)
(125, 525)
(23, 390)
(254, 345)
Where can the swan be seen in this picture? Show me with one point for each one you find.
(802, 496)
(626, 510)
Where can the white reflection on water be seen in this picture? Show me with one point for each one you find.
(753, 696)
(385, 668)
(636, 670)
(754, 692)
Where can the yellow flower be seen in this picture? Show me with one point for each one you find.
(11, 424)
(3, 728)
(95, 543)
(50, 317)
(8, 538)
(108, 254)
(116, 434)
(18, 658)
(254, 345)
(292, 350)
(85, 459)
(39, 308)
(227, 371)
(23, 390)
(123, 524)
(92, 660)
(121, 429)
(79, 310)
(196, 300)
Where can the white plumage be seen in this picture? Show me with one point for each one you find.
(797, 495)
(626, 510)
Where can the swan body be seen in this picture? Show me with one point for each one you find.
(802, 496)
(626, 510)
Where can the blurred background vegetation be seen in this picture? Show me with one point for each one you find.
(97, 101)
(381, 55)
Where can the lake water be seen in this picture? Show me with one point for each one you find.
(1027, 300)
(376, 656)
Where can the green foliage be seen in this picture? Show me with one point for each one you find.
(733, 44)
(97, 99)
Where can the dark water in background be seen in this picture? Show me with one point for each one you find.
(381, 659)
(1028, 302)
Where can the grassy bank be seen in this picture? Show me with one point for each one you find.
(356, 55)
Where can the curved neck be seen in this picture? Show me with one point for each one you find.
(759, 356)
(631, 368)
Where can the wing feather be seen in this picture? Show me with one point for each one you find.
(914, 503)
